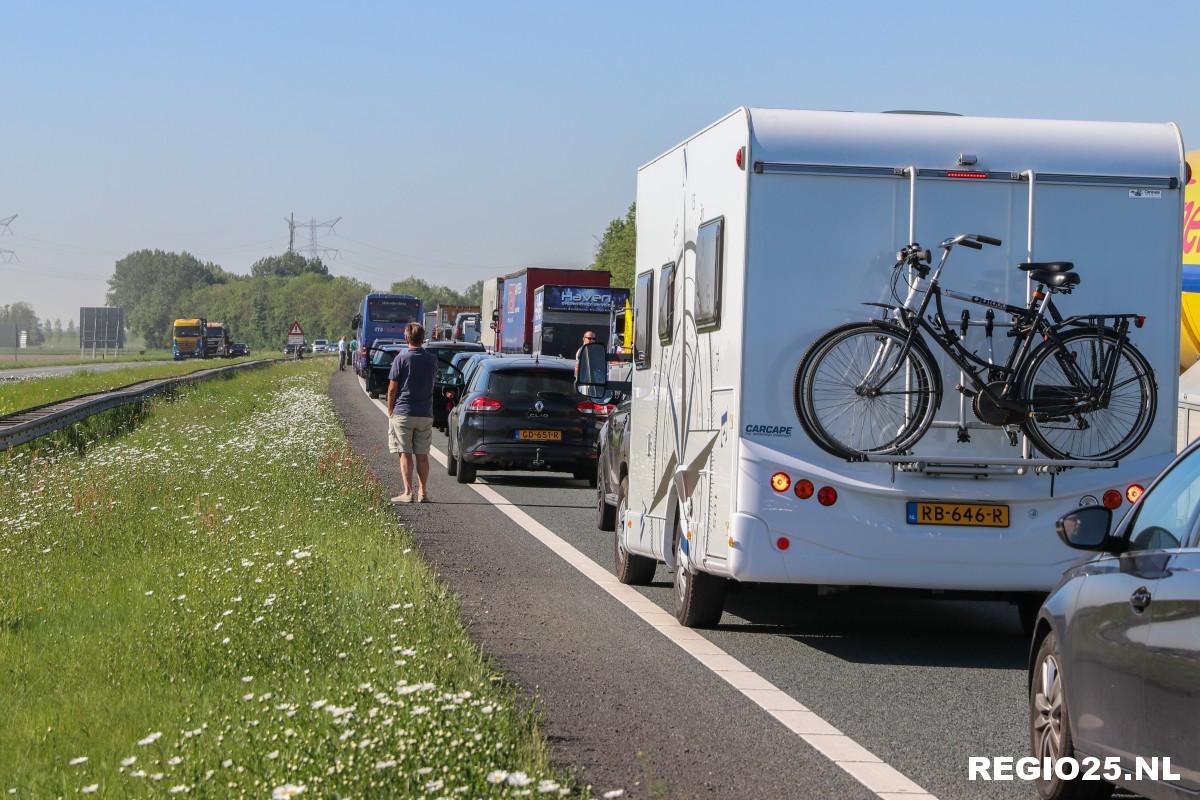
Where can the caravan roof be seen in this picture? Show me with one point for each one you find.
(927, 141)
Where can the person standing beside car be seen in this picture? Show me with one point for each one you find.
(341, 354)
(410, 412)
(588, 338)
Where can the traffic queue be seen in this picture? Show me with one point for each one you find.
(782, 438)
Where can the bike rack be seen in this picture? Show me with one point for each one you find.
(962, 424)
(973, 467)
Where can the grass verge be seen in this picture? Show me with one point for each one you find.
(222, 604)
(28, 392)
(12, 358)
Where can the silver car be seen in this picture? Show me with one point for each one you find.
(1115, 661)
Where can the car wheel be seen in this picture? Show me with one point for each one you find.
(588, 472)
(699, 597)
(1050, 727)
(606, 515)
(631, 568)
(464, 472)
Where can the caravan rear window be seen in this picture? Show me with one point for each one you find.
(643, 302)
(666, 303)
(710, 244)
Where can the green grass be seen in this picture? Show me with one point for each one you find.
(225, 596)
(29, 392)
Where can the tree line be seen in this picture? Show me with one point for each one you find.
(156, 287)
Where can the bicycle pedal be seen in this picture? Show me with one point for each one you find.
(965, 391)
(1012, 438)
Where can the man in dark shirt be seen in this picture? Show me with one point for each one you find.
(410, 411)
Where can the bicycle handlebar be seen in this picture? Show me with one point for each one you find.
(975, 241)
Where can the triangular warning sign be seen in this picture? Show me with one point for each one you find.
(295, 330)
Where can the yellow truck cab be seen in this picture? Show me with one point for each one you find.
(187, 338)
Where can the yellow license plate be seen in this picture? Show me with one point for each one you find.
(974, 515)
(540, 436)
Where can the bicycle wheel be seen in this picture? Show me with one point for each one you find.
(1064, 421)
(839, 399)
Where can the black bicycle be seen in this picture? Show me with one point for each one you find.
(1076, 386)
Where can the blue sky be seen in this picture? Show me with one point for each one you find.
(461, 140)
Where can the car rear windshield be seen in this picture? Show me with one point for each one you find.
(384, 357)
(528, 383)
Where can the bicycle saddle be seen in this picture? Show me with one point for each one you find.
(1055, 279)
(1047, 266)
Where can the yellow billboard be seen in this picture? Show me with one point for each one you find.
(1191, 212)
(1189, 316)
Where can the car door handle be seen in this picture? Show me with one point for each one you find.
(1140, 599)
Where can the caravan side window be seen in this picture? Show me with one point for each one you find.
(666, 302)
(643, 302)
(710, 245)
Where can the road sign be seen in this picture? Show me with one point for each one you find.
(295, 334)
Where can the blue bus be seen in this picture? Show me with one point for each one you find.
(383, 316)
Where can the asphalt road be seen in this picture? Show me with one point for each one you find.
(921, 683)
(50, 372)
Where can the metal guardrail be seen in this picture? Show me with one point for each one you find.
(32, 423)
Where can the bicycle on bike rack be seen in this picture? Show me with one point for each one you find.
(1076, 386)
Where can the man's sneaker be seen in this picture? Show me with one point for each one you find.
(402, 498)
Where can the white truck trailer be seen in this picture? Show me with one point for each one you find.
(770, 227)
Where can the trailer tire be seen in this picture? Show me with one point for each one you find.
(699, 597)
(631, 569)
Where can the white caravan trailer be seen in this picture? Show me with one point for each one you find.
(770, 227)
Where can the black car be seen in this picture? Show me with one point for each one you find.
(239, 349)
(380, 361)
(522, 413)
(1115, 661)
(448, 382)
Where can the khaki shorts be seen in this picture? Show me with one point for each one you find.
(410, 434)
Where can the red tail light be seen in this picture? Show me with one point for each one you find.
(1112, 499)
(482, 403)
(827, 495)
(1134, 492)
(599, 409)
(781, 482)
(804, 488)
(979, 176)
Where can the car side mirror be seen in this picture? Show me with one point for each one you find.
(591, 379)
(1087, 528)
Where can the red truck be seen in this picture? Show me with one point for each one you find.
(515, 323)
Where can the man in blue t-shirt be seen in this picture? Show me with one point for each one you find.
(410, 411)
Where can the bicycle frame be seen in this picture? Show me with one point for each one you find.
(1028, 321)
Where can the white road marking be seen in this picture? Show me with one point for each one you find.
(884, 780)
